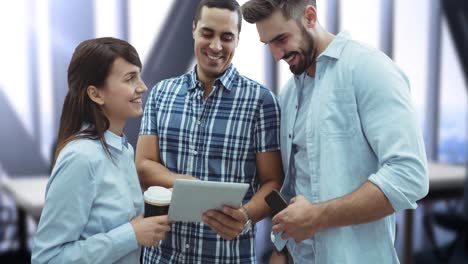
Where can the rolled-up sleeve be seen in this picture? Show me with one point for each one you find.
(390, 125)
(267, 126)
(69, 201)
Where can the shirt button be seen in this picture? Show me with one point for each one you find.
(290, 136)
(199, 122)
(195, 152)
(187, 246)
(296, 106)
(295, 149)
(199, 97)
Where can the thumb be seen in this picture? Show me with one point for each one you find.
(293, 200)
(138, 217)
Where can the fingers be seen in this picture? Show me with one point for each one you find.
(220, 219)
(158, 236)
(225, 220)
(162, 219)
(222, 224)
(235, 213)
(160, 224)
(285, 235)
(293, 200)
(162, 228)
(159, 221)
(280, 217)
(277, 228)
(159, 232)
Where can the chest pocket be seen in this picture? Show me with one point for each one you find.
(339, 113)
(233, 131)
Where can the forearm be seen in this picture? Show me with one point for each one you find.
(152, 173)
(366, 204)
(258, 208)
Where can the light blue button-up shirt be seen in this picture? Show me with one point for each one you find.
(299, 171)
(89, 203)
(361, 126)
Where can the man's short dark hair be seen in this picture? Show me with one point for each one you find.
(231, 5)
(256, 10)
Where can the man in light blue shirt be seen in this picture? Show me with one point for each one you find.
(352, 150)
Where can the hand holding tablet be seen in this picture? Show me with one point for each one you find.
(190, 199)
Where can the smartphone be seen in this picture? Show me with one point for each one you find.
(276, 202)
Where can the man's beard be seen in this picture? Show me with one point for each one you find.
(305, 56)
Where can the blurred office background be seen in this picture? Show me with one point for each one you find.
(426, 38)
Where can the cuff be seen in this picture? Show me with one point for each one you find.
(124, 238)
(395, 195)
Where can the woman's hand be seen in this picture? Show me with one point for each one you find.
(150, 231)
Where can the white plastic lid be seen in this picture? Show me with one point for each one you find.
(158, 194)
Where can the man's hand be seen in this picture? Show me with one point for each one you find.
(300, 220)
(228, 223)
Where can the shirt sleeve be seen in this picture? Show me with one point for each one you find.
(69, 200)
(149, 120)
(390, 125)
(267, 127)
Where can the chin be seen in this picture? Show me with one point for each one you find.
(136, 114)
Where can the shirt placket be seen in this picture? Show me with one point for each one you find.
(313, 138)
(312, 149)
(197, 109)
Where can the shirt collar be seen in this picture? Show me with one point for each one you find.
(227, 79)
(335, 48)
(115, 141)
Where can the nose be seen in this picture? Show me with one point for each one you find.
(215, 44)
(141, 88)
(276, 52)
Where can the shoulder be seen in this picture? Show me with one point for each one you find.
(171, 83)
(77, 162)
(361, 57)
(374, 75)
(83, 151)
(254, 86)
(182, 79)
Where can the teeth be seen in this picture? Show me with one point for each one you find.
(214, 58)
(290, 58)
(136, 101)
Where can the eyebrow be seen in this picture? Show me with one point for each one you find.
(212, 31)
(130, 73)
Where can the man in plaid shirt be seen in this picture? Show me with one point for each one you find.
(212, 124)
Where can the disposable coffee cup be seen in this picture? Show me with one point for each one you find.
(157, 201)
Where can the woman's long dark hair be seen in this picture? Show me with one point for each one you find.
(91, 64)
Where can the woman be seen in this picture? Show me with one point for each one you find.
(93, 206)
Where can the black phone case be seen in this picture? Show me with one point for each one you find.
(276, 202)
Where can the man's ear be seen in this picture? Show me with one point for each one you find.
(95, 95)
(194, 26)
(310, 16)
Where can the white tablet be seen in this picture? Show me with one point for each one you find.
(191, 198)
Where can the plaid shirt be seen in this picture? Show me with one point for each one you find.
(216, 140)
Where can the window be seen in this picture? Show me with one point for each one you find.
(453, 104)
